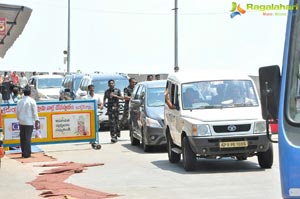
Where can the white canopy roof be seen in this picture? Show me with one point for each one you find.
(15, 18)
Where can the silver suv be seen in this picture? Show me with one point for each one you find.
(100, 81)
(70, 85)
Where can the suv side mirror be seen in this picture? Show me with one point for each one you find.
(269, 82)
(143, 95)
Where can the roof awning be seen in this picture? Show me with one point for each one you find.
(13, 19)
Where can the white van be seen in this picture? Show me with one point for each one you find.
(216, 115)
(46, 87)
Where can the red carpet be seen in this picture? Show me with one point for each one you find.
(53, 182)
(35, 157)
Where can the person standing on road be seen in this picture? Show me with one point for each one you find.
(1, 79)
(23, 80)
(15, 96)
(14, 78)
(34, 73)
(6, 77)
(113, 95)
(91, 95)
(27, 115)
(127, 95)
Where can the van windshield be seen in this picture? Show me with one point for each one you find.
(101, 85)
(218, 94)
(44, 83)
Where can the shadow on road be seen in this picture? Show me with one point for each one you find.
(211, 166)
(139, 149)
(65, 149)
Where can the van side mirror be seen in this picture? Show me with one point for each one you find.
(269, 82)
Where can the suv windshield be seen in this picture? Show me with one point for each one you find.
(76, 83)
(49, 83)
(155, 97)
(218, 94)
(101, 85)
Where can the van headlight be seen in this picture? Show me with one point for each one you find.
(260, 127)
(200, 130)
(152, 123)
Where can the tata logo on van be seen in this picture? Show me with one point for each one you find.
(231, 128)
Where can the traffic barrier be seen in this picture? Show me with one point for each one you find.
(60, 122)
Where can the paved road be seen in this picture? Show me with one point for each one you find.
(133, 174)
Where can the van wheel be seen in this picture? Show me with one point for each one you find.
(189, 157)
(133, 140)
(146, 147)
(173, 157)
(265, 159)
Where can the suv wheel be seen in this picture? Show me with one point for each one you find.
(146, 147)
(265, 159)
(173, 157)
(133, 140)
(189, 157)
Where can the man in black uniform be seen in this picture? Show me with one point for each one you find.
(113, 95)
(127, 95)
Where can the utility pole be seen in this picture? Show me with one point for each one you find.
(176, 67)
(68, 50)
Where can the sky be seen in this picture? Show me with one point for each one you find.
(137, 36)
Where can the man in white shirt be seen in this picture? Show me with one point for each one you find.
(91, 95)
(27, 115)
(23, 80)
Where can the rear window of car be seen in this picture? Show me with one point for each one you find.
(49, 83)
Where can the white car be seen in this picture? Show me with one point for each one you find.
(46, 87)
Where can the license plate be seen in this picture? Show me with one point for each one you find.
(233, 144)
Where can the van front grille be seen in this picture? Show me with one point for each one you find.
(231, 128)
